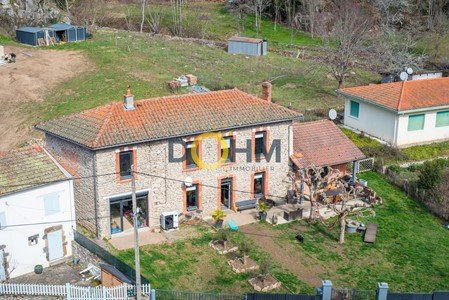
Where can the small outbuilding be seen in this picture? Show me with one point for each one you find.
(110, 276)
(56, 33)
(31, 35)
(247, 46)
(69, 33)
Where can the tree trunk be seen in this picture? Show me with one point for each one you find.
(341, 240)
(143, 15)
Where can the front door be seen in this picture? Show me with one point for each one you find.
(55, 250)
(226, 193)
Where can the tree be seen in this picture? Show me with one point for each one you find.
(391, 13)
(154, 19)
(176, 6)
(258, 7)
(311, 8)
(240, 9)
(143, 15)
(344, 35)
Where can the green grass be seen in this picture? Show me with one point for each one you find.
(118, 59)
(410, 253)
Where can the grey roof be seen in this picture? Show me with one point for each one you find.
(62, 26)
(29, 29)
(116, 273)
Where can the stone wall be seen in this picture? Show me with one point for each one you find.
(164, 180)
(81, 161)
(85, 256)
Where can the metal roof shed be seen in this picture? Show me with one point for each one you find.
(247, 46)
(69, 33)
(30, 35)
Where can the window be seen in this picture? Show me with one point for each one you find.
(51, 204)
(355, 107)
(230, 146)
(2, 220)
(126, 159)
(416, 122)
(259, 184)
(191, 146)
(259, 144)
(192, 197)
(442, 119)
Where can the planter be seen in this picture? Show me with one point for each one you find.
(76, 261)
(262, 216)
(351, 228)
(219, 224)
(38, 269)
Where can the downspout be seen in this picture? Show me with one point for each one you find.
(95, 193)
(395, 132)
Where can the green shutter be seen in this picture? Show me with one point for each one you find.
(416, 122)
(442, 119)
(355, 109)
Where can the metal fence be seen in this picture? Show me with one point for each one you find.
(181, 295)
(255, 296)
(363, 165)
(107, 257)
(410, 296)
(348, 294)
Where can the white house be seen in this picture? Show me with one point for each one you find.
(36, 212)
(400, 113)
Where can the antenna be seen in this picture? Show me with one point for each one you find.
(409, 71)
(403, 76)
(332, 114)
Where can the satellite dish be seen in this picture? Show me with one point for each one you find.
(332, 114)
(403, 76)
(409, 71)
(188, 181)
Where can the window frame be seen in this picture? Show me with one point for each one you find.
(196, 186)
(124, 179)
(255, 176)
(351, 112)
(264, 137)
(121, 154)
(188, 152)
(231, 153)
(55, 198)
(409, 129)
(436, 119)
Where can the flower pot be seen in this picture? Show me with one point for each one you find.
(219, 224)
(262, 216)
(38, 269)
(76, 261)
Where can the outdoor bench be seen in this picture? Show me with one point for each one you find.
(246, 204)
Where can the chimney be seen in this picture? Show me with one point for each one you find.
(266, 91)
(128, 99)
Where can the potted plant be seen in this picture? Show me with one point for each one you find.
(218, 216)
(38, 269)
(263, 210)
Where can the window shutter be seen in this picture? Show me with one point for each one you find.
(51, 204)
(355, 106)
(416, 122)
(442, 119)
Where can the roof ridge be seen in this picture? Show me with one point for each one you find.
(177, 96)
(105, 122)
(401, 96)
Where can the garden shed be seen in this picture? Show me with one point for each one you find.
(30, 35)
(247, 46)
(69, 33)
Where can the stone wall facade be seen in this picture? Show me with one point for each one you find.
(81, 162)
(164, 180)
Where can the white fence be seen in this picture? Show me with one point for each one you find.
(72, 292)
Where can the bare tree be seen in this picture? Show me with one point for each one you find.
(154, 18)
(240, 9)
(343, 209)
(311, 8)
(143, 15)
(391, 12)
(344, 35)
(258, 7)
(176, 6)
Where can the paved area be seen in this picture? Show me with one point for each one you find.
(56, 275)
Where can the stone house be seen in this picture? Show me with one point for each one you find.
(400, 113)
(191, 154)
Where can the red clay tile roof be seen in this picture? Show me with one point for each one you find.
(322, 143)
(165, 117)
(25, 169)
(406, 95)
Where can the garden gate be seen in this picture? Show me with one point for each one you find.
(255, 296)
(348, 294)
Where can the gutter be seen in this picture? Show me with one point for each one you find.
(166, 137)
(401, 112)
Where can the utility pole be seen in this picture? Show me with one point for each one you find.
(136, 238)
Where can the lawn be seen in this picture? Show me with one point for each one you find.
(121, 58)
(410, 253)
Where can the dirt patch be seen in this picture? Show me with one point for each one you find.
(27, 82)
(265, 237)
(265, 283)
(240, 265)
(222, 247)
